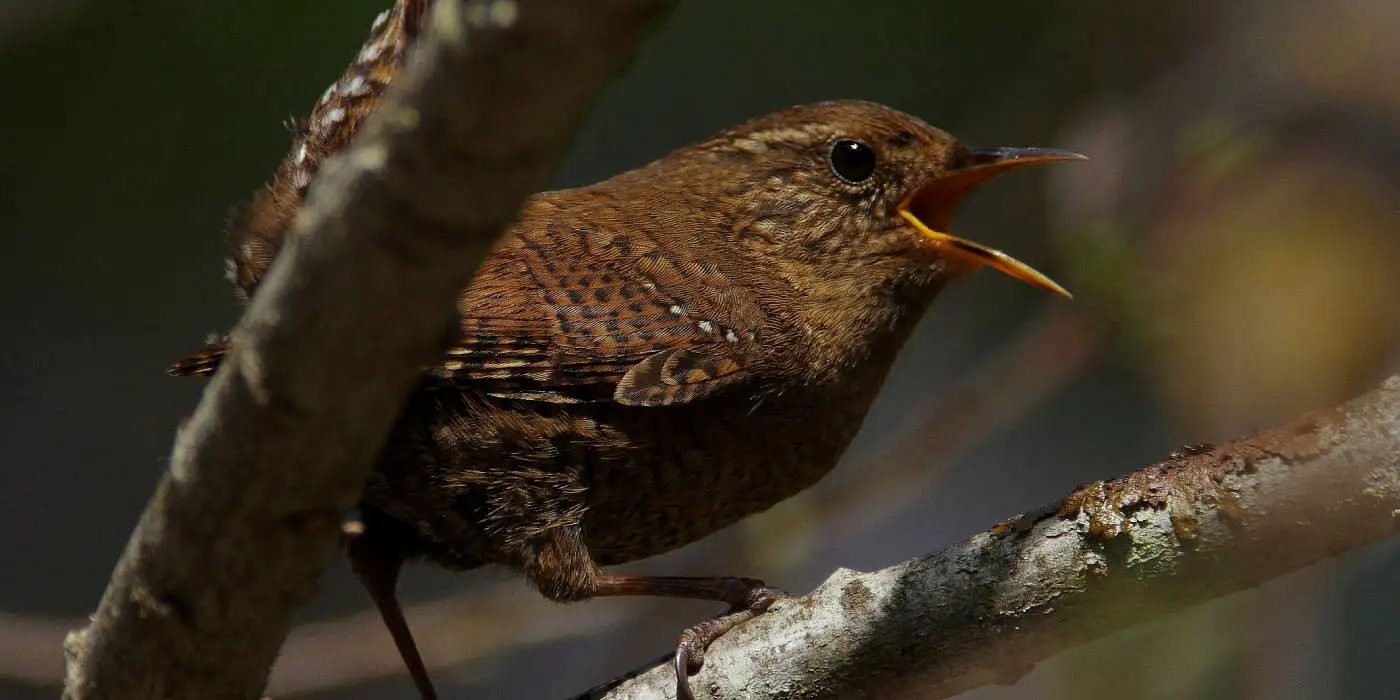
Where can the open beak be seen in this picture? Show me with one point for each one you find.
(931, 208)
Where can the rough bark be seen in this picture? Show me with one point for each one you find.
(247, 517)
(1209, 521)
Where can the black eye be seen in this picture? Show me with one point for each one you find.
(852, 161)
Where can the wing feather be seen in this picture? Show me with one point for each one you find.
(616, 319)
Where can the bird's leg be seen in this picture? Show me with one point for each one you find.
(562, 569)
(376, 562)
(747, 599)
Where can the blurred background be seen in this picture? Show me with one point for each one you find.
(1234, 247)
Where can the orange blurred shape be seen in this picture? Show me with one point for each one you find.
(1275, 293)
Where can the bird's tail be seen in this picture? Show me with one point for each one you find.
(258, 230)
(202, 363)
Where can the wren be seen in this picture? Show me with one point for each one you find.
(649, 359)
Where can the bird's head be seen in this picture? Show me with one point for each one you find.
(854, 185)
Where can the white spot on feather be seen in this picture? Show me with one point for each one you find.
(370, 52)
(379, 21)
(356, 86)
(707, 327)
(750, 145)
(332, 117)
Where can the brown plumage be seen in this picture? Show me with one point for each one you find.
(649, 359)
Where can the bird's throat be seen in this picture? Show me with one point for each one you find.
(853, 332)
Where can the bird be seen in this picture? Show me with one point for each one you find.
(643, 361)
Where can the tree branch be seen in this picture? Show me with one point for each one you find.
(245, 520)
(1202, 524)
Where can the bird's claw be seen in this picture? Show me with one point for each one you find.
(750, 599)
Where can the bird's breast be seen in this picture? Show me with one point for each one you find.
(482, 478)
(694, 470)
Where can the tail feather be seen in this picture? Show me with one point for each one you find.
(257, 232)
(202, 363)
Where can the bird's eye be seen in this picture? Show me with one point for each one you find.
(852, 161)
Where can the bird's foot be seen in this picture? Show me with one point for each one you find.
(749, 599)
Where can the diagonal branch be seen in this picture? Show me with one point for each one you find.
(246, 519)
(1203, 524)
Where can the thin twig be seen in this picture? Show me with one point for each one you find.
(451, 631)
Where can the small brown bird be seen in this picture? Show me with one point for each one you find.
(649, 359)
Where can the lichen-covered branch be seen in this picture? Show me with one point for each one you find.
(245, 520)
(1208, 521)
